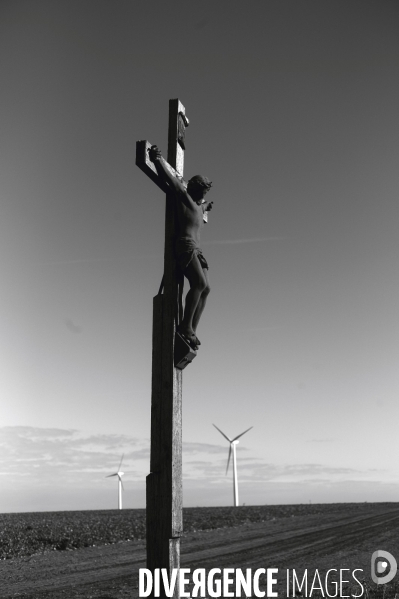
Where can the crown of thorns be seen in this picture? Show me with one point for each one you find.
(201, 181)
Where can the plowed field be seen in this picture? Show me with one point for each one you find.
(283, 537)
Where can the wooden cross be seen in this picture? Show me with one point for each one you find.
(164, 503)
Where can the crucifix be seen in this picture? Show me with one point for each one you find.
(170, 354)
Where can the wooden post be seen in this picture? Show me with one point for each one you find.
(164, 483)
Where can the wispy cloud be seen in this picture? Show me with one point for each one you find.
(202, 448)
(254, 329)
(71, 326)
(68, 455)
(253, 469)
(78, 261)
(244, 240)
(33, 457)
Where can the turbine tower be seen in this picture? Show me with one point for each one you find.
(119, 474)
(232, 449)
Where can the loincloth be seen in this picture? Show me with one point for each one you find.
(185, 250)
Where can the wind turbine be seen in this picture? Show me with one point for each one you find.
(233, 443)
(119, 474)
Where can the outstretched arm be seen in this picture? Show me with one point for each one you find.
(162, 170)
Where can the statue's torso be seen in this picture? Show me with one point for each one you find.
(190, 218)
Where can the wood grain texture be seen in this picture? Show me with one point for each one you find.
(174, 562)
(164, 483)
(175, 151)
(173, 431)
(156, 396)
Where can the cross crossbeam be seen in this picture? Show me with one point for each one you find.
(144, 163)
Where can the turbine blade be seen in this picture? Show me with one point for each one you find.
(121, 462)
(228, 459)
(238, 436)
(225, 436)
(116, 474)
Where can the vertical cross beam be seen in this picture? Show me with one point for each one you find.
(164, 483)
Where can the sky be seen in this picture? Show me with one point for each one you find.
(293, 109)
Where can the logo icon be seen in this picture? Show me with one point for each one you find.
(383, 567)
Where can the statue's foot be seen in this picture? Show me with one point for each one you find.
(190, 337)
(198, 341)
(191, 340)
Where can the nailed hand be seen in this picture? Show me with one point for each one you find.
(154, 153)
(209, 206)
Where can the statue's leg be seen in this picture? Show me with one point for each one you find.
(198, 283)
(202, 301)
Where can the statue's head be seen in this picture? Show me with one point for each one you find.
(198, 186)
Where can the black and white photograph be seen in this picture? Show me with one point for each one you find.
(199, 250)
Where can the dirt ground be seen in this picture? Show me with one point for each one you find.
(305, 542)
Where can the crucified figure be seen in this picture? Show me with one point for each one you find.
(190, 205)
